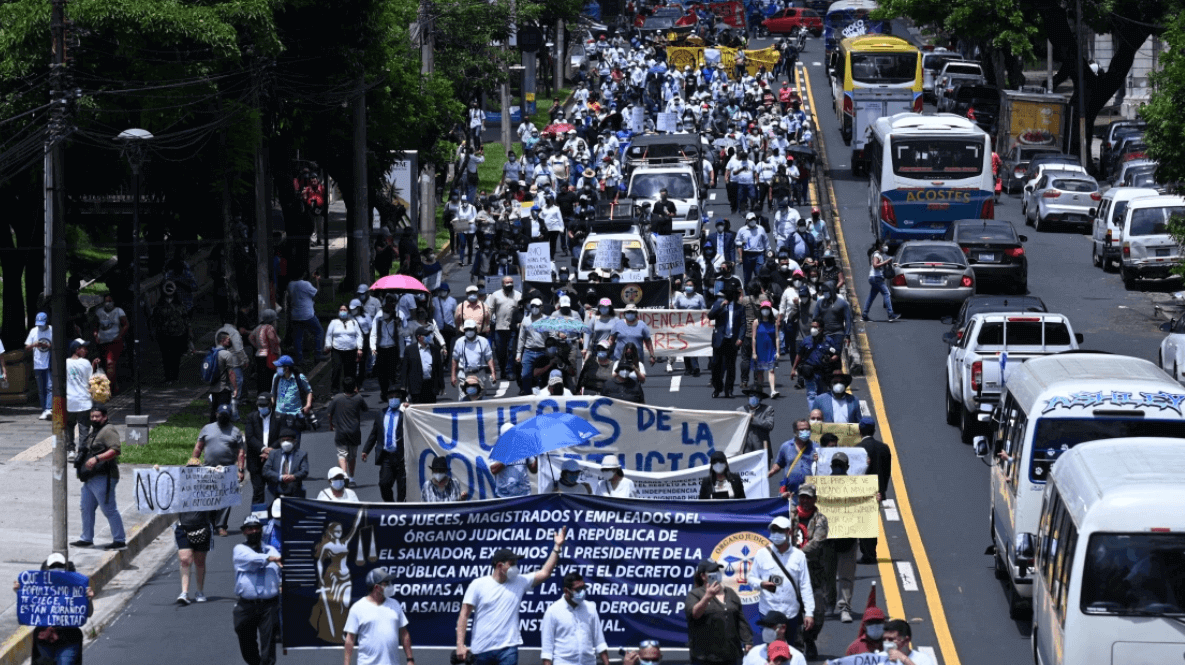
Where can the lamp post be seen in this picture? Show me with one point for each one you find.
(132, 147)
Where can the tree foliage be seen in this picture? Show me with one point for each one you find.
(1166, 122)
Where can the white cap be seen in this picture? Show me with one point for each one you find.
(506, 427)
(565, 301)
(55, 559)
(781, 522)
(469, 325)
(337, 472)
(536, 301)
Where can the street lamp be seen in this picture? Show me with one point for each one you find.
(132, 146)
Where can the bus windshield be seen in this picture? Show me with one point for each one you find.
(1055, 436)
(937, 158)
(881, 68)
(1135, 574)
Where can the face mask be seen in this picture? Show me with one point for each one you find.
(565, 310)
(689, 290)
(875, 631)
(630, 316)
(814, 331)
(839, 470)
(534, 309)
(264, 411)
(470, 334)
(752, 223)
(393, 403)
(885, 249)
(624, 373)
(512, 573)
(754, 401)
(578, 596)
(509, 288)
(715, 578)
(765, 311)
(719, 467)
(837, 388)
(470, 390)
(472, 297)
(569, 478)
(343, 315)
(223, 418)
(337, 484)
(816, 420)
(803, 434)
(784, 270)
(108, 306)
(603, 310)
(608, 475)
(254, 538)
(287, 446)
(777, 538)
(720, 229)
(888, 646)
(798, 283)
(769, 635)
(439, 476)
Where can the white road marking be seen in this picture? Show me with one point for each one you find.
(816, 64)
(675, 381)
(503, 386)
(905, 571)
(36, 451)
(712, 196)
(864, 410)
(891, 514)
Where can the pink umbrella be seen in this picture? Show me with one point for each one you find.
(399, 283)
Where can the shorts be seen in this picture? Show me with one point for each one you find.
(183, 542)
(347, 451)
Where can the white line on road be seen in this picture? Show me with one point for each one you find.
(865, 412)
(816, 64)
(905, 572)
(675, 381)
(712, 196)
(503, 386)
(891, 514)
(36, 451)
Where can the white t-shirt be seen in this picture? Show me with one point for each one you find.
(759, 655)
(347, 495)
(40, 358)
(108, 324)
(873, 271)
(625, 489)
(495, 612)
(376, 631)
(920, 658)
(78, 379)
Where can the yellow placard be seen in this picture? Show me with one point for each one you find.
(679, 57)
(530, 96)
(848, 433)
(849, 502)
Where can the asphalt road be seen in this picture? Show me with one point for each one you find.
(947, 485)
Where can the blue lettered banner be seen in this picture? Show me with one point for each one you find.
(637, 556)
(52, 598)
(644, 438)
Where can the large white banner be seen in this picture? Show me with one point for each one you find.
(679, 332)
(676, 485)
(181, 489)
(645, 438)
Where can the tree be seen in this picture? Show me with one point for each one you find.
(1166, 123)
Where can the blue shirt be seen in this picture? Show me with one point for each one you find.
(256, 578)
(288, 393)
(800, 471)
(426, 360)
(301, 294)
(445, 309)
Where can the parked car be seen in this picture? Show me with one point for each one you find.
(1128, 170)
(1063, 198)
(1148, 249)
(1035, 162)
(787, 21)
(932, 63)
(978, 103)
(1112, 135)
(1171, 356)
(995, 250)
(1028, 198)
(931, 271)
(1107, 228)
(1130, 147)
(1016, 162)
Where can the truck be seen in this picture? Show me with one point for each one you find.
(955, 73)
(984, 353)
(1032, 120)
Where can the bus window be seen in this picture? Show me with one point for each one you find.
(1055, 436)
(1138, 573)
(883, 68)
(926, 158)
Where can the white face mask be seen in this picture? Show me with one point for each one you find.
(816, 420)
(719, 467)
(470, 334)
(607, 474)
(512, 573)
(889, 646)
(287, 446)
(837, 388)
(623, 373)
(769, 635)
(814, 331)
(337, 484)
(439, 476)
(777, 538)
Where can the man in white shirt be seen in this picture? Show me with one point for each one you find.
(78, 395)
(377, 626)
(572, 633)
(493, 601)
(899, 645)
(785, 221)
(781, 568)
(38, 342)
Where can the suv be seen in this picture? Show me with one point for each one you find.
(978, 103)
(683, 188)
(1148, 249)
(932, 63)
(1107, 228)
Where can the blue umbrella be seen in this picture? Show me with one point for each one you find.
(559, 324)
(542, 434)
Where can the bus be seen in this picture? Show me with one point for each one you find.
(924, 172)
(873, 76)
(1050, 405)
(849, 18)
(1110, 568)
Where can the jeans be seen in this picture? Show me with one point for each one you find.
(256, 623)
(83, 420)
(749, 262)
(464, 246)
(60, 654)
(746, 196)
(44, 388)
(879, 287)
(507, 656)
(99, 492)
(299, 328)
(529, 358)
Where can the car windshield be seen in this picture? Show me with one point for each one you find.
(659, 22)
(931, 254)
(922, 158)
(1134, 573)
(1144, 179)
(959, 69)
(1054, 436)
(1023, 333)
(1075, 186)
(992, 234)
(632, 257)
(647, 185)
(1153, 221)
(874, 68)
(936, 62)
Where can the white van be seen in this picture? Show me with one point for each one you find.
(1110, 569)
(1108, 223)
(1050, 405)
(1147, 248)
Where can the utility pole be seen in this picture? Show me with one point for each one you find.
(263, 236)
(359, 250)
(427, 212)
(55, 225)
(560, 58)
(1083, 154)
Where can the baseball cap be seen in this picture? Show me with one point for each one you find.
(866, 421)
(75, 344)
(377, 576)
(782, 522)
(840, 457)
(337, 472)
(751, 215)
(362, 288)
(807, 490)
(707, 566)
(264, 399)
(570, 465)
(631, 307)
(555, 380)
(778, 649)
(41, 319)
(251, 521)
(472, 288)
(224, 408)
(355, 303)
(605, 302)
(565, 301)
(55, 559)
(284, 361)
(505, 554)
(470, 324)
(536, 301)
(816, 210)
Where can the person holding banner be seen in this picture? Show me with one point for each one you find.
(721, 482)
(717, 632)
(613, 480)
(59, 645)
(494, 601)
(193, 537)
(222, 444)
(388, 428)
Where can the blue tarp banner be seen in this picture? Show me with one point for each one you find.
(638, 558)
(52, 598)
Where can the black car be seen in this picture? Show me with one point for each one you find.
(994, 250)
(979, 304)
(979, 103)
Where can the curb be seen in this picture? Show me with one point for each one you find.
(18, 647)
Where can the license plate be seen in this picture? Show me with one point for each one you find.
(1163, 251)
(929, 280)
(987, 256)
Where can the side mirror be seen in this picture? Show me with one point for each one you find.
(1092, 212)
(981, 446)
(947, 320)
(1167, 326)
(949, 338)
(1025, 545)
(1078, 337)
(1022, 238)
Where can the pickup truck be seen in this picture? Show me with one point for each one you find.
(989, 347)
(954, 74)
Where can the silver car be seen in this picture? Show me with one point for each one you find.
(931, 271)
(1063, 198)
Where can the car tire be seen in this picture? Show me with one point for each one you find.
(1094, 256)
(968, 425)
(1129, 280)
(1038, 226)
(952, 409)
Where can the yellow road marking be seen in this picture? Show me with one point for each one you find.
(930, 586)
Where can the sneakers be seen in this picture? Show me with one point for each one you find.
(201, 597)
(845, 617)
(864, 317)
(183, 599)
(117, 545)
(894, 317)
(45, 415)
(71, 454)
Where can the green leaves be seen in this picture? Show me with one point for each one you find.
(1166, 122)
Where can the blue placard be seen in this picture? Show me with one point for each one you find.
(52, 598)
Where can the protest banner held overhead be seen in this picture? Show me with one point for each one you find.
(857, 459)
(52, 598)
(644, 438)
(637, 557)
(653, 293)
(180, 489)
(669, 255)
(608, 255)
(681, 485)
(679, 332)
(666, 122)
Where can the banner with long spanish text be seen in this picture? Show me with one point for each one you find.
(637, 557)
(682, 485)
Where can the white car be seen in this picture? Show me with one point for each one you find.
(634, 262)
(682, 183)
(1171, 356)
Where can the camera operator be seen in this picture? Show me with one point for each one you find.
(817, 359)
(557, 358)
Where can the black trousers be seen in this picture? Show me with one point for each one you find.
(746, 358)
(256, 623)
(731, 189)
(868, 548)
(171, 350)
(724, 367)
(345, 363)
(392, 471)
(427, 393)
(255, 468)
(386, 364)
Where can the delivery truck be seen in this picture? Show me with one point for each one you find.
(1032, 120)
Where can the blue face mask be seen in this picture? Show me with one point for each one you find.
(343, 315)
(578, 596)
(754, 401)
(471, 390)
(394, 403)
(804, 435)
(263, 411)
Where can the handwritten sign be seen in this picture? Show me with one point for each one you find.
(681, 332)
(667, 122)
(848, 433)
(181, 489)
(52, 598)
(669, 259)
(538, 264)
(849, 502)
(608, 255)
(638, 120)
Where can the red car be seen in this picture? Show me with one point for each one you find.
(787, 21)
(666, 19)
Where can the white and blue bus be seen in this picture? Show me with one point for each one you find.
(850, 18)
(924, 172)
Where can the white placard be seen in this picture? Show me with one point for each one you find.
(667, 122)
(678, 485)
(181, 489)
(669, 259)
(857, 460)
(538, 263)
(608, 255)
(638, 120)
